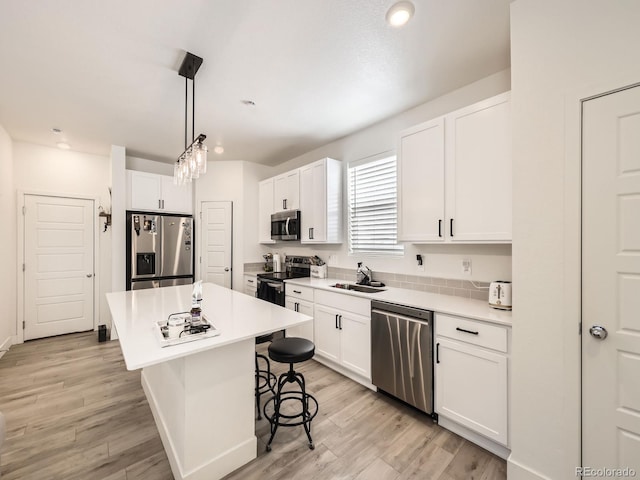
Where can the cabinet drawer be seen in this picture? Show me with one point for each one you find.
(297, 291)
(349, 303)
(472, 331)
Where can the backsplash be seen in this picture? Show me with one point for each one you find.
(443, 286)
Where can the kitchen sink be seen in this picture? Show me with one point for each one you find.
(358, 288)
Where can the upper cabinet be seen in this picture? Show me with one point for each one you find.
(321, 201)
(265, 209)
(421, 183)
(157, 193)
(286, 189)
(454, 176)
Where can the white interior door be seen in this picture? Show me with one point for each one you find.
(611, 281)
(58, 266)
(215, 253)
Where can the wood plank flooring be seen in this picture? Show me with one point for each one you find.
(74, 412)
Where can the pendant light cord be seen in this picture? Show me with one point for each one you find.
(193, 109)
(186, 103)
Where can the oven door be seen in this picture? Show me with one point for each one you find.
(271, 291)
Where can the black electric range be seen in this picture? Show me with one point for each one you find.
(271, 284)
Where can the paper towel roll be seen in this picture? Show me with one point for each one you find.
(277, 263)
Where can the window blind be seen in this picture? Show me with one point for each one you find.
(373, 211)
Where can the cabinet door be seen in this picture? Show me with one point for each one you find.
(265, 209)
(421, 183)
(479, 172)
(303, 331)
(471, 388)
(145, 191)
(326, 332)
(313, 202)
(176, 198)
(355, 344)
(250, 285)
(287, 191)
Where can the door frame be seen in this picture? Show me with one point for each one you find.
(20, 204)
(572, 327)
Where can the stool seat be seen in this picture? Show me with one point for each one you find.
(291, 350)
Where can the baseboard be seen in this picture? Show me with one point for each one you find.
(480, 440)
(345, 372)
(518, 471)
(6, 345)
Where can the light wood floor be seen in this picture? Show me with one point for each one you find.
(74, 412)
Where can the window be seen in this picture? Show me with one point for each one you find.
(373, 210)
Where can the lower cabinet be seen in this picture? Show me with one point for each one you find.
(299, 298)
(250, 284)
(302, 306)
(342, 335)
(471, 375)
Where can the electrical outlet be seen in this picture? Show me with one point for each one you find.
(466, 266)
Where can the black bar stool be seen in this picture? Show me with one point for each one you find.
(265, 378)
(291, 350)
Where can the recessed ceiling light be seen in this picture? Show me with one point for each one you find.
(63, 145)
(56, 131)
(400, 13)
(219, 149)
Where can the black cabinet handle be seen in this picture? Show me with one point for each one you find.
(340, 322)
(466, 331)
(451, 227)
(440, 227)
(297, 291)
(336, 320)
(311, 233)
(297, 307)
(437, 353)
(284, 204)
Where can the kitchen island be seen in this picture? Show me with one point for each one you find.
(201, 393)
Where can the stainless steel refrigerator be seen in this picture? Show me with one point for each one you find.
(159, 250)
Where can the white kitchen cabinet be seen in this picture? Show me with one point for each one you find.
(250, 284)
(454, 176)
(300, 299)
(421, 183)
(297, 305)
(343, 331)
(478, 187)
(286, 189)
(157, 193)
(321, 201)
(265, 209)
(471, 375)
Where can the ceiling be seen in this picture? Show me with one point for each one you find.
(105, 72)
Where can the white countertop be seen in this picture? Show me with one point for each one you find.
(236, 315)
(449, 304)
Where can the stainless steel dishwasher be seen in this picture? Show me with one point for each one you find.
(402, 353)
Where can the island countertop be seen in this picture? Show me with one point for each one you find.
(238, 317)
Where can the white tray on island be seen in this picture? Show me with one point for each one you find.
(161, 329)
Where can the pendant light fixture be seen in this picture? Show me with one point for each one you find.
(193, 160)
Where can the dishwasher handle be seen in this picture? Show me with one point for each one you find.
(401, 317)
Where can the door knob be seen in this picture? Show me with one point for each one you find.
(598, 332)
(89, 275)
(226, 269)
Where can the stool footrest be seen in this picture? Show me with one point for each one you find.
(290, 420)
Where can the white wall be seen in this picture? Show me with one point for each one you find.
(50, 170)
(489, 262)
(561, 52)
(8, 242)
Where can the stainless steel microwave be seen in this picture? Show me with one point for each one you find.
(285, 225)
